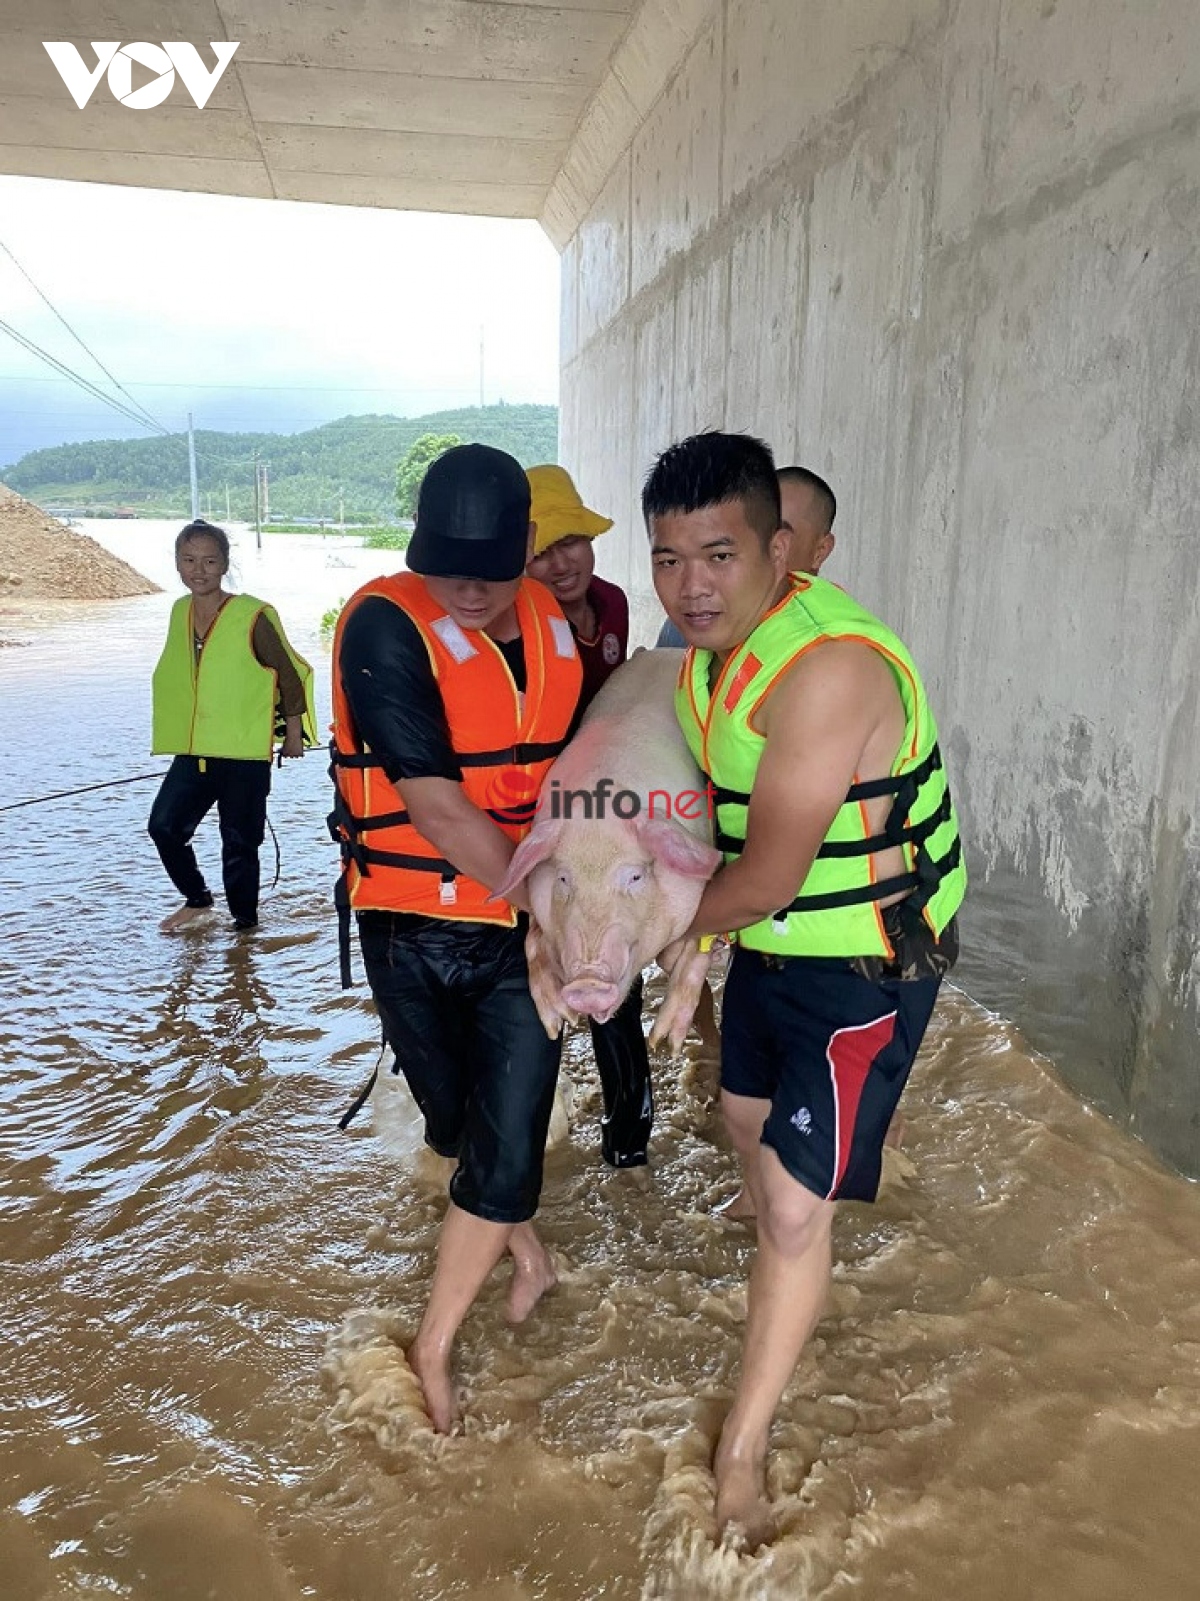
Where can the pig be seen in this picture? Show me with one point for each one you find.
(610, 893)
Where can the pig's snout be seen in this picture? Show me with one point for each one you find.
(592, 994)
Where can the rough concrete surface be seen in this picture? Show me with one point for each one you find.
(944, 253)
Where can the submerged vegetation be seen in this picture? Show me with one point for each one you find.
(387, 538)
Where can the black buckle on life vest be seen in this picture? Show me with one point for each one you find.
(892, 834)
(872, 788)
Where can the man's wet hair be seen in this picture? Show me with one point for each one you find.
(711, 469)
(826, 498)
(199, 529)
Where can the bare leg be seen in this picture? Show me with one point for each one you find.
(533, 1272)
(468, 1250)
(895, 1134)
(788, 1286)
(744, 1118)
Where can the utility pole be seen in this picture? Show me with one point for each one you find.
(481, 366)
(192, 469)
(228, 514)
(342, 511)
(257, 519)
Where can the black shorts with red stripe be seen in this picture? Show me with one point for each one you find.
(831, 1050)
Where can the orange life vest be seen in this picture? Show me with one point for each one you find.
(504, 742)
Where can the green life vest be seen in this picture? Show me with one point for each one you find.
(224, 703)
(836, 911)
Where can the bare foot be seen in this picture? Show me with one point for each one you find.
(432, 1368)
(182, 917)
(740, 1209)
(742, 1502)
(533, 1275)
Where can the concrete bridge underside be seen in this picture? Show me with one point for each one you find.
(943, 251)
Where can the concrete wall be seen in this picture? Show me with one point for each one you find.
(944, 251)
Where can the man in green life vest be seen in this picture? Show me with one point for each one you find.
(843, 873)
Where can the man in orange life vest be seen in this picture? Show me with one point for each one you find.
(454, 686)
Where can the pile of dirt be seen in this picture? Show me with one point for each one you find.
(43, 559)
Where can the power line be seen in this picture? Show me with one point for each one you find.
(78, 379)
(465, 388)
(136, 404)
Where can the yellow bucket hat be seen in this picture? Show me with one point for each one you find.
(556, 508)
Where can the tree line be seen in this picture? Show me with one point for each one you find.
(349, 465)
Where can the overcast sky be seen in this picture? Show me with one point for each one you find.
(262, 314)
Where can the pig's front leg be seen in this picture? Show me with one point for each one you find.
(545, 983)
(687, 968)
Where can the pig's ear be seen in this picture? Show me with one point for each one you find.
(534, 848)
(668, 843)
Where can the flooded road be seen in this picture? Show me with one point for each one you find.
(206, 1285)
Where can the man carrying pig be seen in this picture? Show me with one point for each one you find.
(843, 873)
(454, 686)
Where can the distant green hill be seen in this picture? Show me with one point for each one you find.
(351, 462)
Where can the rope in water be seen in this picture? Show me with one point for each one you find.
(110, 783)
(66, 794)
(86, 789)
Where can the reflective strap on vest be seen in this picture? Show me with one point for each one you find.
(851, 897)
(513, 755)
(341, 759)
(904, 786)
(342, 818)
(917, 834)
(922, 884)
(523, 812)
(871, 788)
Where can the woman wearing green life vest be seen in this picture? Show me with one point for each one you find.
(843, 873)
(227, 672)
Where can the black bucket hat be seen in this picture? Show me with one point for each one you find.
(472, 517)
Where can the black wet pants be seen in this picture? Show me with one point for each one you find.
(454, 1001)
(623, 1062)
(192, 787)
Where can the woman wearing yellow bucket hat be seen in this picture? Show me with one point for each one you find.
(598, 613)
(563, 560)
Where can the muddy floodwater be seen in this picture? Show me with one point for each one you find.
(207, 1287)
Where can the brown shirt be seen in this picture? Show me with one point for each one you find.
(268, 647)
